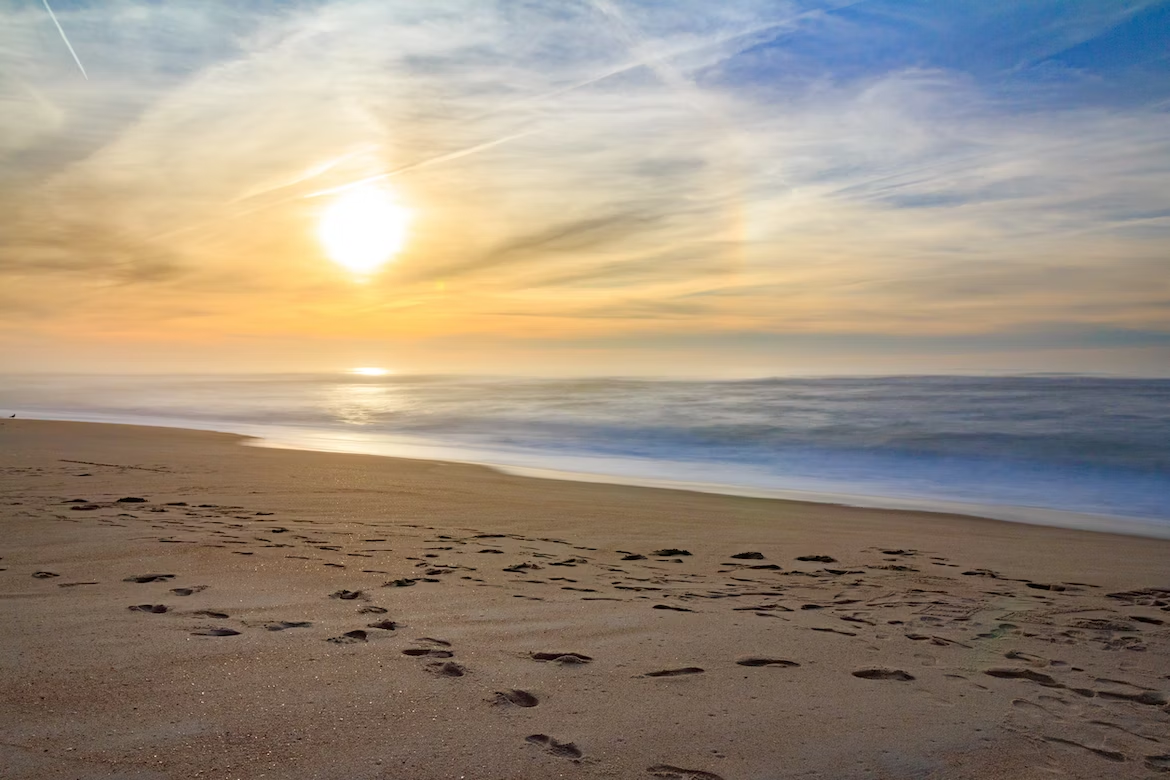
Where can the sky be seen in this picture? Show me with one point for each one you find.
(587, 186)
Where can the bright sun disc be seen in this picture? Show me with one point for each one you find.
(369, 371)
(363, 229)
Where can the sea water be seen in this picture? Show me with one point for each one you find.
(1053, 445)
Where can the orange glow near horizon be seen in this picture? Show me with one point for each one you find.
(363, 229)
(369, 371)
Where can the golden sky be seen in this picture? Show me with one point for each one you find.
(741, 187)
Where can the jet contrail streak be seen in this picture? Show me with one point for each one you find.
(311, 173)
(61, 30)
(353, 184)
(421, 164)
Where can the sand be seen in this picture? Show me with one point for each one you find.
(176, 605)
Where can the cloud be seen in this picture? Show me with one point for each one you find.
(614, 167)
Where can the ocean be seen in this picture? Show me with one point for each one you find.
(1066, 450)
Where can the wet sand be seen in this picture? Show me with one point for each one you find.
(176, 605)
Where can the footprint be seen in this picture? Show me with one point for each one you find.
(1101, 624)
(1028, 658)
(668, 772)
(817, 558)
(563, 658)
(349, 637)
(563, 749)
(347, 595)
(1109, 725)
(385, 625)
(1024, 674)
(670, 552)
(1159, 763)
(749, 556)
(149, 578)
(1034, 709)
(427, 652)
(447, 669)
(1153, 698)
(676, 609)
(675, 672)
(216, 632)
(211, 614)
(285, 624)
(883, 674)
(1112, 755)
(766, 662)
(188, 591)
(516, 696)
(156, 609)
(373, 611)
(45, 575)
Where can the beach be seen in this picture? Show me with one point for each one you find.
(177, 605)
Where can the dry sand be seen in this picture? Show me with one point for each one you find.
(282, 614)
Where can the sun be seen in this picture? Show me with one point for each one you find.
(363, 228)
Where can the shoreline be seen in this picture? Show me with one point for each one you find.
(268, 437)
(180, 606)
(920, 518)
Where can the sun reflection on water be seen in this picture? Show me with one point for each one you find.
(363, 404)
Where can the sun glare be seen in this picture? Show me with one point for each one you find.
(369, 371)
(363, 228)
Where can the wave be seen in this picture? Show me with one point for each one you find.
(1085, 444)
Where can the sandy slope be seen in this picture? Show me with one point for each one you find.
(360, 617)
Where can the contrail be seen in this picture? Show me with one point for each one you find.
(76, 59)
(351, 185)
(421, 164)
(310, 173)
